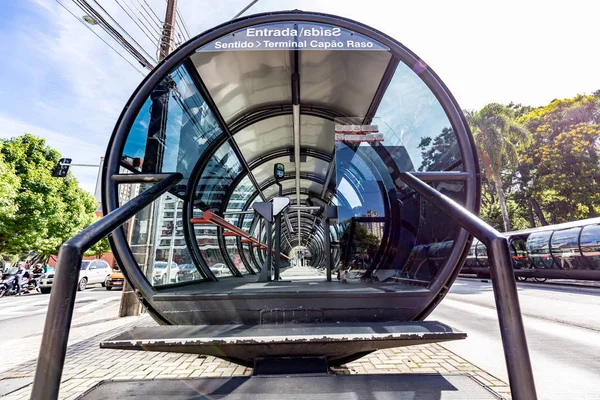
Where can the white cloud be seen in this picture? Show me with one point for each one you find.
(528, 52)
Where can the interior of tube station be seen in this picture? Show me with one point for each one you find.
(342, 110)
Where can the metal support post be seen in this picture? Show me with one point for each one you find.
(327, 235)
(53, 348)
(265, 210)
(518, 363)
(269, 259)
(277, 263)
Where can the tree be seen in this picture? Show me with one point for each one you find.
(496, 133)
(9, 183)
(47, 210)
(559, 169)
(491, 212)
(99, 249)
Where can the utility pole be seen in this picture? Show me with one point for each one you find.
(154, 151)
(166, 42)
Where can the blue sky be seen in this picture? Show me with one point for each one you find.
(60, 82)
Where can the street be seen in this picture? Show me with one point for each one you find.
(563, 331)
(562, 325)
(21, 316)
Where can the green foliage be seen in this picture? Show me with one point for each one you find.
(9, 184)
(365, 242)
(45, 211)
(440, 152)
(559, 163)
(99, 249)
(492, 214)
(544, 161)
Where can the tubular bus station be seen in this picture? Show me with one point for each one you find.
(563, 251)
(290, 191)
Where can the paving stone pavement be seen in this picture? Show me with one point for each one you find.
(87, 364)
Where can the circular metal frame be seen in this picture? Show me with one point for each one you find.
(117, 141)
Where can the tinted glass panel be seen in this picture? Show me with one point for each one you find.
(172, 130)
(518, 248)
(565, 247)
(157, 241)
(217, 177)
(417, 123)
(590, 246)
(538, 249)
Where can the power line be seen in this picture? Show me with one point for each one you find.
(151, 9)
(181, 33)
(114, 22)
(150, 23)
(100, 37)
(116, 35)
(146, 31)
(245, 8)
(155, 19)
(181, 25)
(180, 17)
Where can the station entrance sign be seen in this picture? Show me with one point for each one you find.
(293, 36)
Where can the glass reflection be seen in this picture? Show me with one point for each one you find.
(156, 238)
(565, 247)
(518, 249)
(538, 249)
(173, 128)
(417, 122)
(590, 246)
(216, 178)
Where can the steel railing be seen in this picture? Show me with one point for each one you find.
(55, 338)
(518, 363)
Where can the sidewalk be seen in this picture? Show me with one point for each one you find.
(87, 364)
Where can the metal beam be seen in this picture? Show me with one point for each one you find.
(139, 178)
(305, 208)
(211, 218)
(238, 212)
(442, 176)
(296, 128)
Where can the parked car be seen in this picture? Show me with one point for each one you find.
(164, 275)
(91, 272)
(220, 269)
(115, 280)
(187, 272)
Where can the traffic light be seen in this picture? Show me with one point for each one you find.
(62, 168)
(279, 171)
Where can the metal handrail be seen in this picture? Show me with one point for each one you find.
(53, 348)
(518, 362)
(208, 217)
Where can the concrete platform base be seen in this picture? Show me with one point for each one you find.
(299, 387)
(244, 343)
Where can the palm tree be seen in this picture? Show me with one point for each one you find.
(495, 129)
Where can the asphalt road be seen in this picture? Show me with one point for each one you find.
(21, 316)
(563, 331)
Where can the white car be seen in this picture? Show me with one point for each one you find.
(220, 269)
(91, 272)
(164, 275)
